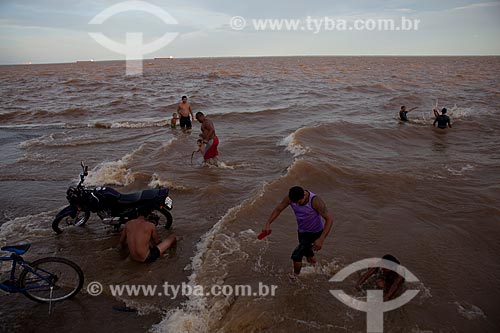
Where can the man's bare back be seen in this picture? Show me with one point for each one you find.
(140, 235)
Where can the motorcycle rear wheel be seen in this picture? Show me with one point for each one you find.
(164, 217)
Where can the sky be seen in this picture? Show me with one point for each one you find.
(55, 31)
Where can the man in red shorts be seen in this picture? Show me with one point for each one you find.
(210, 140)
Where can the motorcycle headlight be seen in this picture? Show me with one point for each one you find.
(72, 195)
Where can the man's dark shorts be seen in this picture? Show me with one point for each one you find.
(306, 240)
(185, 122)
(154, 253)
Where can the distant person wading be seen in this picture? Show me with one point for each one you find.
(184, 110)
(442, 120)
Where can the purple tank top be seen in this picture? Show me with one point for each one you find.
(308, 219)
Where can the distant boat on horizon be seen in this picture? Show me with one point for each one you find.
(160, 58)
(85, 61)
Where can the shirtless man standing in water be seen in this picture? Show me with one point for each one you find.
(142, 240)
(208, 137)
(184, 110)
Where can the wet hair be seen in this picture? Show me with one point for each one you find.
(147, 214)
(295, 193)
(391, 258)
(199, 113)
(402, 107)
(443, 110)
(184, 97)
(143, 212)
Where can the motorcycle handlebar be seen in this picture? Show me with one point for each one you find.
(84, 173)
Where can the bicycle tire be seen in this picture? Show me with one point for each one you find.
(65, 286)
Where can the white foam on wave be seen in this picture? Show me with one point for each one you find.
(196, 314)
(461, 171)
(139, 124)
(119, 172)
(455, 113)
(40, 141)
(219, 165)
(470, 311)
(21, 229)
(293, 146)
(328, 269)
(157, 182)
(113, 173)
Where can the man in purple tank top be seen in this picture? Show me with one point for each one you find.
(308, 209)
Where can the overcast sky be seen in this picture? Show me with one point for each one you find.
(46, 31)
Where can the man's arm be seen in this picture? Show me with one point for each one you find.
(416, 107)
(435, 121)
(365, 276)
(179, 110)
(449, 122)
(191, 112)
(394, 288)
(320, 207)
(276, 212)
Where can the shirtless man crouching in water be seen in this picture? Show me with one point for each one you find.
(184, 110)
(142, 239)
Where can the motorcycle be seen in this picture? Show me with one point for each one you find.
(113, 207)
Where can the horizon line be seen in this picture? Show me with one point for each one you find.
(249, 56)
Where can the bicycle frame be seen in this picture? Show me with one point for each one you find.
(17, 260)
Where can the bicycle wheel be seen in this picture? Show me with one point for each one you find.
(64, 276)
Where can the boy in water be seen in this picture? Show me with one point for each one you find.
(387, 280)
(173, 121)
(442, 120)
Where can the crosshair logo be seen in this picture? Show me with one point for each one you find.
(133, 49)
(374, 305)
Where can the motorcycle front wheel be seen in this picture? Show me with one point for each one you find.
(65, 218)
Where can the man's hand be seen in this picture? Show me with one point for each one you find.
(318, 244)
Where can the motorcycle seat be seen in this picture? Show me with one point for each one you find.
(136, 197)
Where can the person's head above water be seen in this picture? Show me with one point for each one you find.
(184, 99)
(443, 111)
(200, 116)
(392, 258)
(403, 108)
(296, 194)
